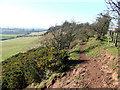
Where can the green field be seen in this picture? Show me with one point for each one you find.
(14, 46)
(7, 36)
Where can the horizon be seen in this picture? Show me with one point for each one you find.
(44, 14)
(21, 28)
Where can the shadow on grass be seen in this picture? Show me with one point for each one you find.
(73, 63)
(89, 49)
(76, 51)
(84, 51)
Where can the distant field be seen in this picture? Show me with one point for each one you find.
(7, 36)
(36, 33)
(14, 46)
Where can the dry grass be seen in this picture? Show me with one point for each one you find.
(36, 33)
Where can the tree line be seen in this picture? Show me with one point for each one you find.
(34, 65)
(64, 36)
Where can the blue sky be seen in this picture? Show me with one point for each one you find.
(46, 13)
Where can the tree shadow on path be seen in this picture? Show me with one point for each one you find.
(73, 63)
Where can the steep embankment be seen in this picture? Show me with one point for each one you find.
(96, 68)
(89, 74)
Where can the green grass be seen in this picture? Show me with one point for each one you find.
(75, 55)
(91, 48)
(95, 47)
(77, 77)
(45, 81)
(96, 51)
(113, 50)
(7, 36)
(14, 46)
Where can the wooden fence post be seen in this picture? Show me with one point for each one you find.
(112, 35)
(108, 37)
(116, 37)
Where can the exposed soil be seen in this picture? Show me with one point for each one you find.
(90, 73)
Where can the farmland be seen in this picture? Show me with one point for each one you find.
(11, 33)
(9, 36)
(36, 33)
(14, 46)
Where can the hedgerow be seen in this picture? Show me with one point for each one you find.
(25, 68)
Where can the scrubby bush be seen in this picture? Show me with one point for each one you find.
(25, 68)
(85, 37)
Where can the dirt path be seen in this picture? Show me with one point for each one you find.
(95, 77)
(89, 74)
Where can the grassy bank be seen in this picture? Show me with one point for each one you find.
(100, 51)
(14, 46)
(95, 47)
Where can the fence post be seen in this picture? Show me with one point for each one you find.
(116, 39)
(108, 37)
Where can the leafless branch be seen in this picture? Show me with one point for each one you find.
(114, 5)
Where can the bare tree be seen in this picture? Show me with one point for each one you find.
(101, 25)
(113, 5)
(61, 37)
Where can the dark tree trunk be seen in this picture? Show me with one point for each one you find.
(112, 37)
(111, 34)
(116, 39)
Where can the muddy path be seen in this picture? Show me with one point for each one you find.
(89, 74)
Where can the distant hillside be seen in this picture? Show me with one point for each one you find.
(20, 30)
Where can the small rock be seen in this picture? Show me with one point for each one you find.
(98, 76)
(84, 66)
(63, 74)
(114, 58)
(74, 71)
(109, 73)
(116, 83)
(110, 78)
(53, 81)
(83, 71)
(43, 87)
(74, 84)
(58, 76)
(77, 82)
(55, 77)
(108, 58)
(105, 85)
(33, 84)
(82, 74)
(68, 83)
(114, 76)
